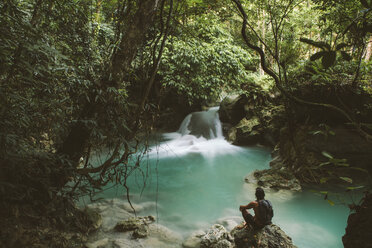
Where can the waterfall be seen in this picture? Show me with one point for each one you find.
(199, 133)
(202, 124)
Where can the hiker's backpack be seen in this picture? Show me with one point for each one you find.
(266, 212)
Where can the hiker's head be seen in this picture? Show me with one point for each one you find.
(260, 193)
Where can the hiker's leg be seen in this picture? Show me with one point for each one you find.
(248, 217)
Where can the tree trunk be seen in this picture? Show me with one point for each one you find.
(263, 29)
(368, 50)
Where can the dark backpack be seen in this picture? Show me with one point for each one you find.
(265, 210)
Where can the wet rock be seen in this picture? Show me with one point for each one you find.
(94, 219)
(271, 236)
(140, 232)
(214, 237)
(277, 179)
(232, 109)
(133, 223)
(359, 225)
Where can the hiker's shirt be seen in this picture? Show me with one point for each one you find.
(254, 205)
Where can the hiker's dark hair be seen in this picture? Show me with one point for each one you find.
(260, 193)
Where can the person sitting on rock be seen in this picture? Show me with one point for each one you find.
(263, 211)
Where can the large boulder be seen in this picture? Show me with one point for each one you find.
(233, 109)
(359, 226)
(274, 179)
(271, 236)
(251, 119)
(136, 224)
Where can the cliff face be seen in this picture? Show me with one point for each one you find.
(359, 226)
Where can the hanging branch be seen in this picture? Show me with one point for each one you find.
(367, 136)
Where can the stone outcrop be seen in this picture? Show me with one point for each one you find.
(271, 236)
(133, 223)
(274, 179)
(248, 121)
(233, 109)
(278, 177)
(359, 225)
(216, 237)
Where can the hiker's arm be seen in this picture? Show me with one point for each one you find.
(249, 206)
(242, 207)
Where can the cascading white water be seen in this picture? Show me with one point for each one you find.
(203, 123)
(200, 132)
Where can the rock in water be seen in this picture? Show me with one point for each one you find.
(275, 179)
(139, 226)
(271, 236)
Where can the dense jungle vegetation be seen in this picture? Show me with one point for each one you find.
(79, 76)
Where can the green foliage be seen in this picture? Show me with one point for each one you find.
(205, 66)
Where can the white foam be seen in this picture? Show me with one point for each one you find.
(182, 145)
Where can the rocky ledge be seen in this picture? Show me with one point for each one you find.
(359, 225)
(278, 177)
(274, 179)
(271, 236)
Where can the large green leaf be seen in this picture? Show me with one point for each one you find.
(326, 154)
(347, 179)
(340, 46)
(345, 56)
(317, 55)
(330, 202)
(329, 59)
(319, 44)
